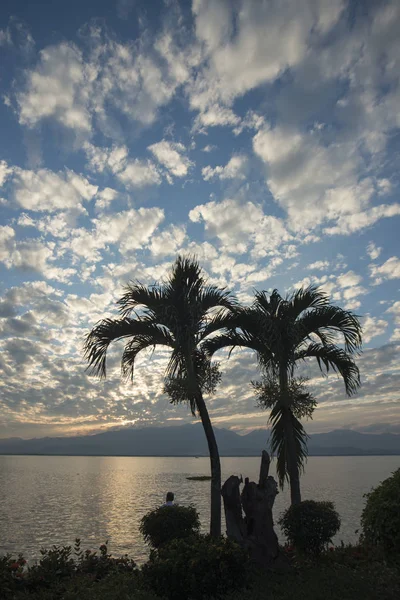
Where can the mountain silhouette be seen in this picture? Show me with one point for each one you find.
(189, 440)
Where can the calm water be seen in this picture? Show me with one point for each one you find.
(51, 500)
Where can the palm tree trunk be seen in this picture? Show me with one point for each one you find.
(293, 470)
(215, 523)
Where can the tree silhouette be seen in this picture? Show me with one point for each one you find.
(284, 332)
(180, 314)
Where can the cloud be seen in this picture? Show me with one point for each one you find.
(80, 87)
(349, 279)
(171, 156)
(241, 226)
(31, 255)
(249, 43)
(113, 158)
(319, 265)
(133, 173)
(139, 173)
(372, 327)
(168, 242)
(311, 181)
(373, 251)
(5, 170)
(129, 230)
(388, 270)
(348, 224)
(59, 87)
(234, 169)
(44, 190)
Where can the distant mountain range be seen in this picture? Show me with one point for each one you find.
(189, 440)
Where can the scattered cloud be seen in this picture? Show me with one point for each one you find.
(372, 327)
(390, 269)
(235, 168)
(373, 251)
(241, 226)
(172, 157)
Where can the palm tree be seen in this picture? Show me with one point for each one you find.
(179, 314)
(284, 332)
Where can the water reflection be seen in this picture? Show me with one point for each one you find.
(51, 500)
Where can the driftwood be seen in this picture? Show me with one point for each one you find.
(254, 530)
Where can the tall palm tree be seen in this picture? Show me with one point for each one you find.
(284, 332)
(179, 314)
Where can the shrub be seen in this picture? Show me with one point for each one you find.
(196, 567)
(380, 519)
(310, 525)
(167, 523)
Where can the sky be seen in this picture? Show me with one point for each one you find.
(262, 136)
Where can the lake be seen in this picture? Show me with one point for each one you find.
(47, 500)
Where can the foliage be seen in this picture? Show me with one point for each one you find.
(166, 523)
(284, 332)
(310, 525)
(282, 419)
(180, 314)
(196, 567)
(61, 568)
(380, 519)
(325, 578)
(268, 393)
(178, 387)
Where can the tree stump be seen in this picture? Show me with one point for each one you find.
(254, 530)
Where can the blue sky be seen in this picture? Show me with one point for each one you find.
(262, 136)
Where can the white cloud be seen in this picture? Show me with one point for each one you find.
(395, 310)
(171, 156)
(105, 197)
(373, 251)
(235, 168)
(216, 115)
(319, 265)
(7, 236)
(209, 148)
(168, 242)
(58, 225)
(31, 255)
(241, 226)
(139, 173)
(99, 158)
(129, 230)
(58, 88)
(44, 190)
(5, 170)
(77, 86)
(311, 181)
(348, 224)
(349, 279)
(372, 327)
(388, 270)
(249, 43)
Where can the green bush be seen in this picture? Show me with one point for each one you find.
(168, 523)
(380, 520)
(196, 567)
(62, 569)
(310, 525)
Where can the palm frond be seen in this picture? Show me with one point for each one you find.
(108, 330)
(136, 294)
(304, 298)
(327, 321)
(221, 320)
(211, 296)
(281, 419)
(153, 335)
(337, 359)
